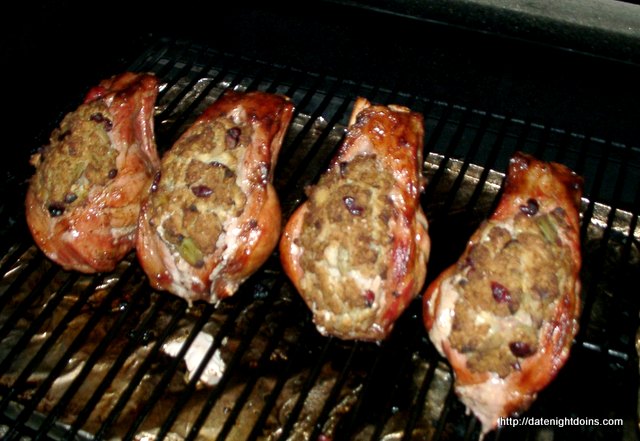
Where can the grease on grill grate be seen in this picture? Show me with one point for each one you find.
(106, 357)
(107, 361)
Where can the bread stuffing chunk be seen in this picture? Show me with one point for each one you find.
(357, 249)
(197, 194)
(80, 156)
(350, 259)
(84, 198)
(212, 216)
(506, 313)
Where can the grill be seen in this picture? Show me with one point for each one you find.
(85, 357)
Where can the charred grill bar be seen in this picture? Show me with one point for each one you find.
(86, 357)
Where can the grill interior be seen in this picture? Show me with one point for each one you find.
(81, 357)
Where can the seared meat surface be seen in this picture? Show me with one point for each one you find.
(357, 249)
(83, 200)
(506, 313)
(212, 216)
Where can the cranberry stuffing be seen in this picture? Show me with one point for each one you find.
(156, 181)
(343, 168)
(201, 191)
(351, 205)
(500, 293)
(64, 134)
(100, 119)
(468, 262)
(521, 349)
(228, 173)
(369, 298)
(56, 209)
(97, 117)
(531, 208)
(232, 138)
(70, 197)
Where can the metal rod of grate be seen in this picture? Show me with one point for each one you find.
(85, 356)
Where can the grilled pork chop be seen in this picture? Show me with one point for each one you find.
(506, 313)
(357, 249)
(83, 200)
(212, 216)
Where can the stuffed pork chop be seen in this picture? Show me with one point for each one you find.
(506, 313)
(212, 216)
(357, 249)
(83, 200)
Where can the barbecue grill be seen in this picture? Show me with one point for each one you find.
(88, 356)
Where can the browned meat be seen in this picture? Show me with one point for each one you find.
(357, 249)
(83, 201)
(506, 313)
(213, 216)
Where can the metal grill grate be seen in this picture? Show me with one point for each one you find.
(84, 357)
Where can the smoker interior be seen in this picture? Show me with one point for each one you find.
(84, 357)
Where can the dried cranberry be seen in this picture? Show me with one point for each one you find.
(343, 168)
(113, 173)
(201, 191)
(156, 181)
(232, 138)
(70, 197)
(351, 205)
(500, 293)
(56, 209)
(531, 208)
(521, 349)
(559, 214)
(228, 173)
(97, 117)
(64, 134)
(100, 119)
(468, 262)
(369, 298)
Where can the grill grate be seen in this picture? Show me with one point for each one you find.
(84, 357)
